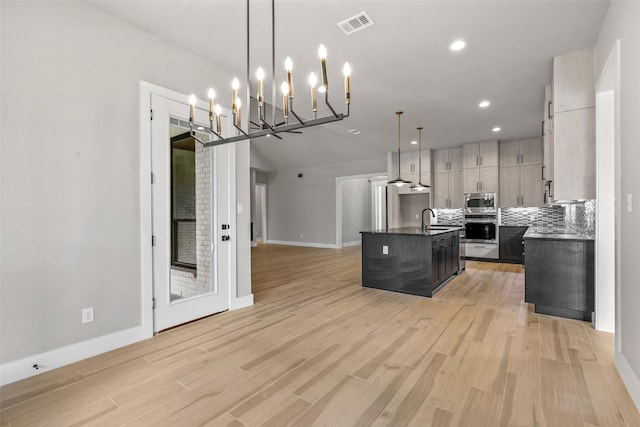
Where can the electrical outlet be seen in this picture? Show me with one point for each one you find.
(301, 237)
(385, 250)
(417, 216)
(87, 315)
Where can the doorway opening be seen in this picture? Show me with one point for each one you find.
(360, 205)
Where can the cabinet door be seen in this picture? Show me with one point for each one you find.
(574, 155)
(531, 151)
(574, 81)
(488, 178)
(426, 168)
(440, 160)
(531, 186)
(455, 159)
(455, 190)
(489, 153)
(547, 154)
(471, 155)
(509, 153)
(509, 186)
(407, 163)
(440, 190)
(471, 180)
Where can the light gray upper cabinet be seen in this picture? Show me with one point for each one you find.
(480, 162)
(480, 154)
(522, 152)
(573, 126)
(447, 178)
(575, 155)
(521, 170)
(547, 135)
(447, 159)
(410, 163)
(521, 186)
(574, 81)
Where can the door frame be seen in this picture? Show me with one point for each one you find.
(607, 294)
(339, 181)
(146, 205)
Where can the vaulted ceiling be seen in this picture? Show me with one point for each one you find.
(402, 62)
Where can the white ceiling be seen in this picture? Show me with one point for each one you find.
(402, 62)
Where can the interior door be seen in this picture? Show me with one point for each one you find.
(191, 200)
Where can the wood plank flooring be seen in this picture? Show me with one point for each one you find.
(318, 349)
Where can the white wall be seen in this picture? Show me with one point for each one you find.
(70, 170)
(307, 206)
(621, 23)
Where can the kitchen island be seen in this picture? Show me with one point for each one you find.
(409, 260)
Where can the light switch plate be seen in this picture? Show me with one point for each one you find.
(385, 250)
(240, 208)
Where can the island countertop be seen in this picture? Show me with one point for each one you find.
(413, 231)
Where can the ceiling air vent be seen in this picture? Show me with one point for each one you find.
(355, 23)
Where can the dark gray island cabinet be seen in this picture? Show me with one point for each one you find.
(410, 261)
(559, 273)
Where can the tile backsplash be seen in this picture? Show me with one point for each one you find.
(581, 218)
(448, 216)
(545, 217)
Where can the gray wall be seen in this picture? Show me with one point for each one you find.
(356, 208)
(410, 208)
(621, 23)
(307, 206)
(70, 232)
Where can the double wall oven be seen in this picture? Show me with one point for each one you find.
(481, 225)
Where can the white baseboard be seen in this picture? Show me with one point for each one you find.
(23, 368)
(349, 244)
(241, 302)
(629, 378)
(305, 244)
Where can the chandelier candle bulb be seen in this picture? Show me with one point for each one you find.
(260, 76)
(322, 54)
(235, 85)
(288, 65)
(313, 81)
(285, 99)
(347, 83)
(212, 97)
(238, 119)
(218, 110)
(192, 107)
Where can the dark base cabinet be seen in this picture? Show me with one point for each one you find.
(511, 244)
(414, 264)
(559, 277)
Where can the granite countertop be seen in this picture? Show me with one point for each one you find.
(555, 234)
(414, 231)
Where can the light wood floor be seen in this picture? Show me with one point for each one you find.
(318, 349)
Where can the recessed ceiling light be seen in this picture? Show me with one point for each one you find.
(457, 45)
(414, 142)
(496, 129)
(484, 104)
(200, 128)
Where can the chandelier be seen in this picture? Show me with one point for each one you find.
(266, 128)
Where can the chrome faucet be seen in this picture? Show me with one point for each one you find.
(432, 214)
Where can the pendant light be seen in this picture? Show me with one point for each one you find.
(399, 182)
(419, 186)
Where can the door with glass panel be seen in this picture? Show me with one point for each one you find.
(191, 194)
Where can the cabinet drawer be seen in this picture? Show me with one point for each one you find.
(482, 250)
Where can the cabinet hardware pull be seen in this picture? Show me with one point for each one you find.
(542, 172)
(543, 128)
(549, 109)
(480, 160)
(477, 161)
